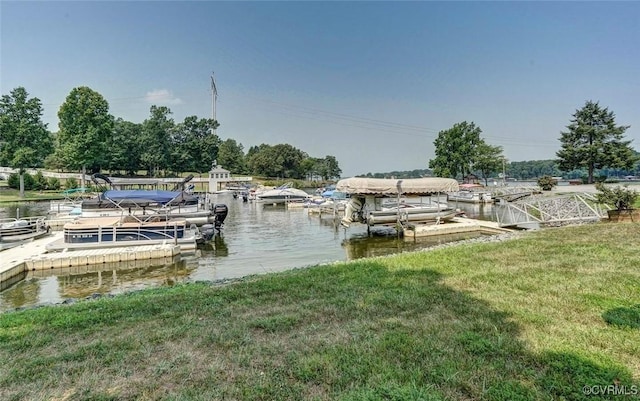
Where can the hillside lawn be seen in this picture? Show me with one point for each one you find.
(533, 318)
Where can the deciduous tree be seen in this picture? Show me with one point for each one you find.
(195, 144)
(85, 127)
(489, 159)
(456, 150)
(156, 143)
(231, 156)
(125, 147)
(331, 168)
(24, 139)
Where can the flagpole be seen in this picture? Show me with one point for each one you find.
(214, 98)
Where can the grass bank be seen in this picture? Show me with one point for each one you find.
(535, 318)
(9, 196)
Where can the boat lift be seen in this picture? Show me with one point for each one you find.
(367, 194)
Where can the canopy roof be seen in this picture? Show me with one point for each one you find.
(142, 194)
(408, 186)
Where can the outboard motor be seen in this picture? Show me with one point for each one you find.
(219, 214)
(207, 231)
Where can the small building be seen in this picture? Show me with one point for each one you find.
(471, 179)
(220, 179)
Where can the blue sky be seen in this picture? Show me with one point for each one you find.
(371, 83)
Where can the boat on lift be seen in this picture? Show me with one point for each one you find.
(407, 212)
(471, 193)
(370, 200)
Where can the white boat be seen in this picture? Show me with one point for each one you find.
(17, 231)
(143, 204)
(283, 194)
(72, 201)
(410, 212)
(469, 196)
(109, 232)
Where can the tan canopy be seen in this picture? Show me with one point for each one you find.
(408, 186)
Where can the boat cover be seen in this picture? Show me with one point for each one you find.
(386, 186)
(142, 194)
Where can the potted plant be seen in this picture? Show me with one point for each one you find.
(622, 199)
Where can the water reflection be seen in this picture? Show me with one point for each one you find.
(366, 247)
(480, 211)
(256, 239)
(24, 209)
(24, 293)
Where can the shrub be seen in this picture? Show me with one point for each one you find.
(14, 181)
(71, 183)
(53, 183)
(39, 182)
(619, 197)
(546, 182)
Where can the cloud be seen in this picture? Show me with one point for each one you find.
(162, 97)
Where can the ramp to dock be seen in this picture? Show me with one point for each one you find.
(551, 210)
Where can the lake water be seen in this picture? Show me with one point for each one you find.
(257, 238)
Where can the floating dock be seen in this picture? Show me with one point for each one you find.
(32, 256)
(456, 225)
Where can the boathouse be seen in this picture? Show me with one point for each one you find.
(221, 179)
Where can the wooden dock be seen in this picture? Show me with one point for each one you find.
(456, 225)
(32, 256)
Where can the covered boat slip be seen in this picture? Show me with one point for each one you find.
(107, 232)
(386, 187)
(368, 195)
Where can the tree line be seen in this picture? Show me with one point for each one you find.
(525, 170)
(92, 140)
(592, 144)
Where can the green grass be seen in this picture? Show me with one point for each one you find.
(526, 319)
(9, 195)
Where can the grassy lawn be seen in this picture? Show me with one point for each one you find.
(8, 195)
(535, 318)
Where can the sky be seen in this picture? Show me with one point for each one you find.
(369, 82)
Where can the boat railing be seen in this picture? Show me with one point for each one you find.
(152, 210)
(29, 220)
(120, 234)
(12, 227)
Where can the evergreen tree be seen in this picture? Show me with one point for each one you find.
(593, 141)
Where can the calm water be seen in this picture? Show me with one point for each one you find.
(256, 239)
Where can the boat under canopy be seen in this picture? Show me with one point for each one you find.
(367, 196)
(392, 187)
